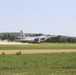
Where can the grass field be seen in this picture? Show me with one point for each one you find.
(38, 64)
(38, 46)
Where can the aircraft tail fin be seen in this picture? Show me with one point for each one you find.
(22, 35)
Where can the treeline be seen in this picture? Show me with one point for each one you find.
(61, 39)
(58, 39)
(8, 37)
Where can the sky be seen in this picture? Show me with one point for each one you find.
(54, 17)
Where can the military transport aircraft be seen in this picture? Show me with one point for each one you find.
(37, 39)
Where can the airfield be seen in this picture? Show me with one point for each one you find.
(37, 59)
(26, 48)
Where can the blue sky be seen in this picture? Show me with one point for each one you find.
(55, 17)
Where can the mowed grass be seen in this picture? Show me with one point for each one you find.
(38, 64)
(38, 46)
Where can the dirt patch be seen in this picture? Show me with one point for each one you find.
(9, 42)
(37, 51)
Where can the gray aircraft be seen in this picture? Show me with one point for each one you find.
(37, 39)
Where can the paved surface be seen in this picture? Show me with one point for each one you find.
(37, 51)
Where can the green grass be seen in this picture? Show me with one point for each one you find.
(38, 64)
(39, 46)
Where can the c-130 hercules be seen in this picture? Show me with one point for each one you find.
(37, 39)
